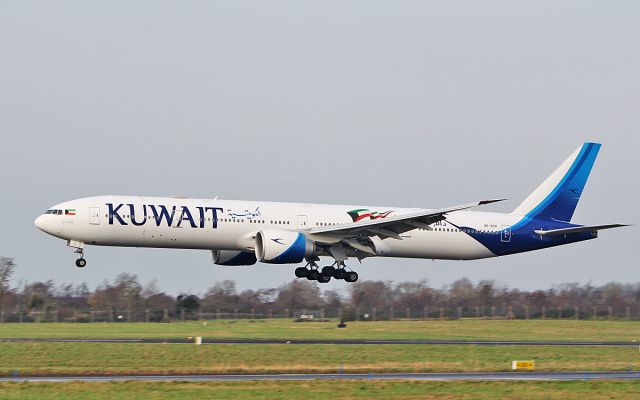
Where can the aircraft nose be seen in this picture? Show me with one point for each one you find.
(46, 224)
(39, 222)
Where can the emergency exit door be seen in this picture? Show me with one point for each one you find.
(94, 215)
(302, 221)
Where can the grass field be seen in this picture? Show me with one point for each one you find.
(33, 358)
(123, 358)
(285, 329)
(622, 390)
(37, 358)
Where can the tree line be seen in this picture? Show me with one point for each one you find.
(125, 298)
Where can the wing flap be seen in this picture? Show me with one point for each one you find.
(391, 226)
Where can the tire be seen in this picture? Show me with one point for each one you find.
(301, 272)
(328, 271)
(352, 276)
(340, 273)
(313, 275)
(324, 278)
(81, 263)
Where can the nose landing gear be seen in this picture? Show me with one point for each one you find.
(80, 262)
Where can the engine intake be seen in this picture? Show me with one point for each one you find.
(232, 258)
(282, 247)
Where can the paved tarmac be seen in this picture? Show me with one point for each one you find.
(338, 342)
(462, 376)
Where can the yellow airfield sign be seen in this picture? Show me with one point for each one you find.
(523, 365)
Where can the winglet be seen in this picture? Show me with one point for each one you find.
(483, 202)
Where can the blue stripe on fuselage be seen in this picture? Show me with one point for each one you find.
(523, 238)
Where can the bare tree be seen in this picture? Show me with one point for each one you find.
(298, 295)
(462, 293)
(369, 294)
(222, 295)
(150, 289)
(332, 301)
(7, 267)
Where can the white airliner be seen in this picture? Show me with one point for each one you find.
(243, 232)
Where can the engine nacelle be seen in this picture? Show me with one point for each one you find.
(282, 247)
(232, 257)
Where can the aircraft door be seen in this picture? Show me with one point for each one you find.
(94, 215)
(302, 221)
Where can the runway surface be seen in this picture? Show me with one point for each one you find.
(473, 376)
(338, 342)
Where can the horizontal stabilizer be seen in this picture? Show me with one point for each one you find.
(577, 229)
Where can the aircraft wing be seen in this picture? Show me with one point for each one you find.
(389, 227)
(577, 229)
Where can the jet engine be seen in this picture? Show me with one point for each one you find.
(232, 257)
(282, 247)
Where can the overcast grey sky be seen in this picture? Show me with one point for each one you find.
(397, 103)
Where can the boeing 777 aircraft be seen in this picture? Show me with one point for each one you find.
(243, 232)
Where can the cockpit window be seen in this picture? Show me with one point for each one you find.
(54, 212)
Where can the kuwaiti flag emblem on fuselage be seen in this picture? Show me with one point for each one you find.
(70, 211)
(363, 213)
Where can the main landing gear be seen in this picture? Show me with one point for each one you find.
(336, 271)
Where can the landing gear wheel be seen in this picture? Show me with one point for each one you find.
(324, 278)
(340, 273)
(313, 275)
(301, 272)
(328, 271)
(81, 263)
(351, 276)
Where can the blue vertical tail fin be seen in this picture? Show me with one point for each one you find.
(557, 197)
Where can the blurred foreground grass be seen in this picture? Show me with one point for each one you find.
(321, 390)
